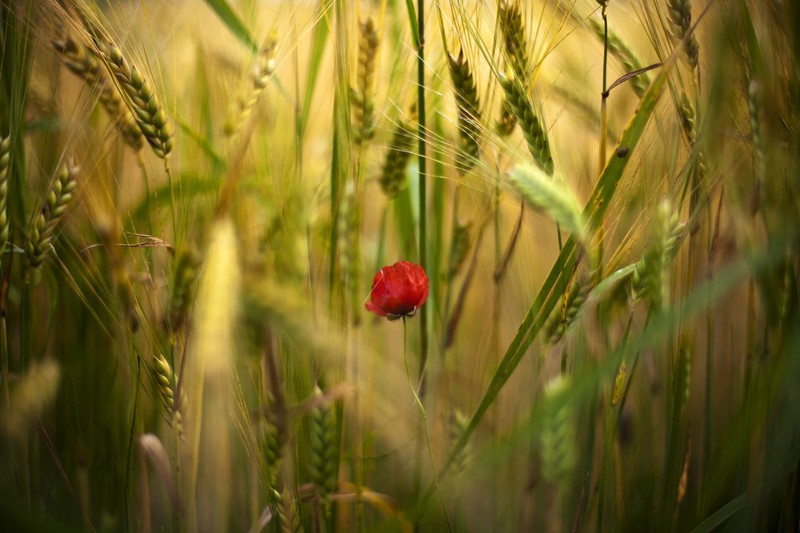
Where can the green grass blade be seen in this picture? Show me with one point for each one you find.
(193, 187)
(321, 32)
(412, 21)
(718, 518)
(232, 21)
(205, 145)
(405, 218)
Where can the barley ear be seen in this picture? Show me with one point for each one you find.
(680, 17)
(689, 128)
(148, 113)
(550, 196)
(687, 117)
(272, 442)
(507, 122)
(514, 39)
(29, 399)
(83, 62)
(649, 279)
(5, 163)
(324, 451)
(362, 98)
(619, 384)
(263, 70)
(393, 177)
(529, 122)
(166, 383)
(754, 105)
(459, 247)
(572, 304)
(458, 424)
(558, 448)
(181, 296)
(350, 227)
(469, 114)
(288, 515)
(42, 229)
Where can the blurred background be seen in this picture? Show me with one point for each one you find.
(196, 195)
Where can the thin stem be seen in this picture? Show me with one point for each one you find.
(423, 196)
(605, 49)
(423, 241)
(172, 205)
(497, 261)
(131, 434)
(603, 132)
(4, 359)
(424, 423)
(3, 325)
(449, 285)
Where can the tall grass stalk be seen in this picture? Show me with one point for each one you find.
(603, 122)
(208, 368)
(422, 162)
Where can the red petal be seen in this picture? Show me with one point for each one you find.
(398, 289)
(374, 308)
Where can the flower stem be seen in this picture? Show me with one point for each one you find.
(424, 424)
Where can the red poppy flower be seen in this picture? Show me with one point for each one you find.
(398, 290)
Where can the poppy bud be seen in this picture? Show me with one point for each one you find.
(398, 290)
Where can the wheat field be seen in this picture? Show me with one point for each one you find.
(385, 265)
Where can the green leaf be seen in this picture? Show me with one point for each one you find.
(203, 143)
(229, 17)
(321, 31)
(412, 22)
